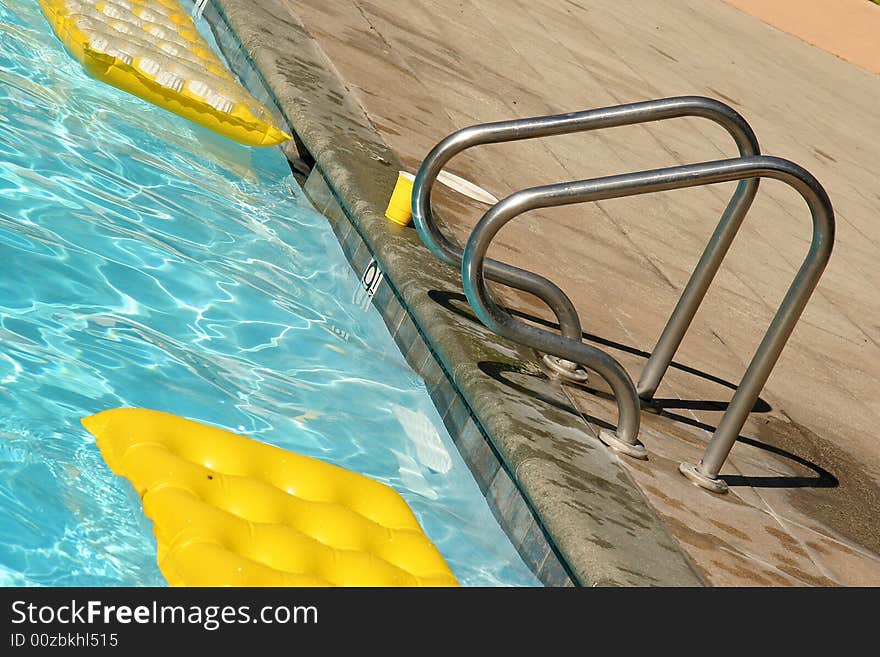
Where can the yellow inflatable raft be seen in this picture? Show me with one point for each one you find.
(231, 511)
(152, 49)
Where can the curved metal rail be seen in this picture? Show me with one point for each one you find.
(705, 473)
(594, 119)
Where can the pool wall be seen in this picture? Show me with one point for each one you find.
(568, 507)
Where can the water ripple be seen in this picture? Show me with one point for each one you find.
(148, 262)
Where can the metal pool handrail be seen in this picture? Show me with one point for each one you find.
(594, 119)
(704, 473)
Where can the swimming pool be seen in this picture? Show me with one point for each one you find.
(148, 262)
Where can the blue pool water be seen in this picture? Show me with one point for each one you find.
(147, 262)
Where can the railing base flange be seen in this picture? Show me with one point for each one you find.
(697, 478)
(565, 369)
(636, 451)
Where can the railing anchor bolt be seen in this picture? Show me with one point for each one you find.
(636, 450)
(697, 478)
(565, 369)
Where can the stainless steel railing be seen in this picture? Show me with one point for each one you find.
(625, 439)
(588, 120)
(705, 473)
(568, 347)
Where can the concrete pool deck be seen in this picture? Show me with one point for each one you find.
(367, 84)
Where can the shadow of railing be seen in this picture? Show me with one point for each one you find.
(501, 372)
(451, 300)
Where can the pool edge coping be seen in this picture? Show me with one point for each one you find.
(354, 173)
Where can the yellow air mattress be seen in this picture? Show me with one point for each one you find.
(230, 511)
(152, 49)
